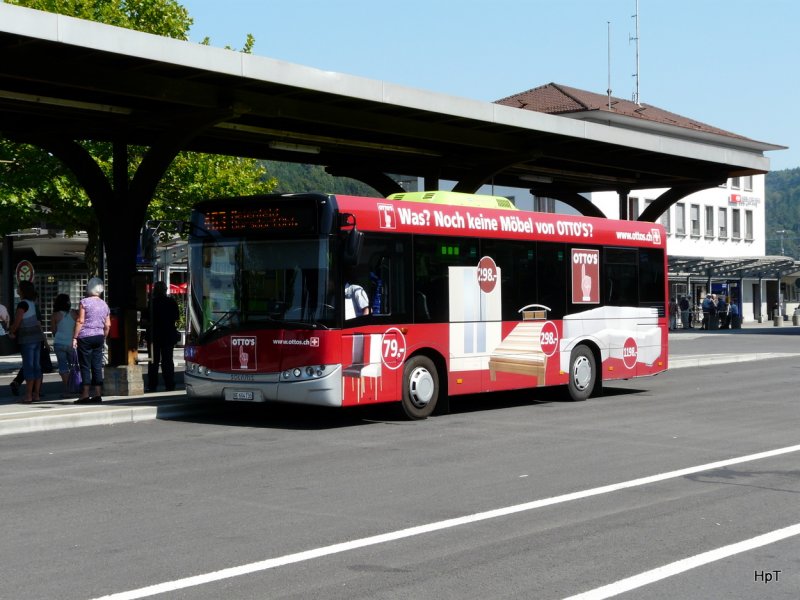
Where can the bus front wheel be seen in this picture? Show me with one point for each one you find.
(420, 387)
(582, 373)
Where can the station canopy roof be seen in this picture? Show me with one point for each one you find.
(756, 267)
(79, 80)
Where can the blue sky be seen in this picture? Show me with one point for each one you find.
(733, 64)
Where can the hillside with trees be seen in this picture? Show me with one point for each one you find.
(783, 212)
(295, 177)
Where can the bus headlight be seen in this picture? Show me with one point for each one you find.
(305, 373)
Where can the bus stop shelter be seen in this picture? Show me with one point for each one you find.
(63, 80)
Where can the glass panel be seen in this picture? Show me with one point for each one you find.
(736, 228)
(278, 283)
(433, 258)
(680, 219)
(709, 221)
(694, 211)
(621, 278)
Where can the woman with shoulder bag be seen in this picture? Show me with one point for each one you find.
(89, 337)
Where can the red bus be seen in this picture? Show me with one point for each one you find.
(341, 301)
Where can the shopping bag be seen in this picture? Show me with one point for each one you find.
(44, 359)
(74, 382)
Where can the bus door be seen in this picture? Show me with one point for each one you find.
(475, 319)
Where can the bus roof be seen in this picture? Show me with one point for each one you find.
(456, 199)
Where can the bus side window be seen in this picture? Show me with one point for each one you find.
(384, 273)
(551, 277)
(621, 277)
(380, 276)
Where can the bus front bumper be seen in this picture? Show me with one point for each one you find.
(267, 387)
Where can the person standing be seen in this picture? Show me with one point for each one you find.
(89, 337)
(706, 311)
(62, 325)
(685, 316)
(722, 311)
(673, 314)
(162, 334)
(44, 358)
(713, 313)
(7, 346)
(27, 329)
(5, 318)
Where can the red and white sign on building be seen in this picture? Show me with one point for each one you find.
(24, 271)
(585, 276)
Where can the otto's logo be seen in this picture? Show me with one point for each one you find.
(314, 342)
(387, 217)
(585, 258)
(243, 353)
(656, 234)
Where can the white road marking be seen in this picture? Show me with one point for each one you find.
(648, 577)
(264, 565)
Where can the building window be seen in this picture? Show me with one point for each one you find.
(748, 225)
(747, 183)
(694, 219)
(710, 221)
(735, 185)
(723, 223)
(666, 222)
(736, 224)
(633, 208)
(680, 218)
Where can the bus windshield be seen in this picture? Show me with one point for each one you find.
(255, 283)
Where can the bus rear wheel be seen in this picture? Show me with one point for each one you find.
(582, 373)
(420, 387)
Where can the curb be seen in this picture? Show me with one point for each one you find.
(50, 416)
(45, 416)
(706, 360)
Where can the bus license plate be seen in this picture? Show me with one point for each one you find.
(243, 395)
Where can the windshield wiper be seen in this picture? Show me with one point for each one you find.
(307, 324)
(222, 321)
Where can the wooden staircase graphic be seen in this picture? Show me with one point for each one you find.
(521, 352)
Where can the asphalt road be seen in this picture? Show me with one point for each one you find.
(107, 510)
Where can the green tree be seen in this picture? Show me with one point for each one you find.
(783, 212)
(296, 177)
(35, 188)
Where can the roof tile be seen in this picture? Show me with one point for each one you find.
(557, 99)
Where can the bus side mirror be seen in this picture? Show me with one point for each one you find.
(352, 246)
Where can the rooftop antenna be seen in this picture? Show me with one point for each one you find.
(630, 39)
(608, 91)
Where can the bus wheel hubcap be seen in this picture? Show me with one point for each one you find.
(581, 373)
(420, 387)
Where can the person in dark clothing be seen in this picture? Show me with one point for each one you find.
(162, 335)
(686, 319)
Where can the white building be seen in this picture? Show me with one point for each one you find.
(716, 243)
(716, 237)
